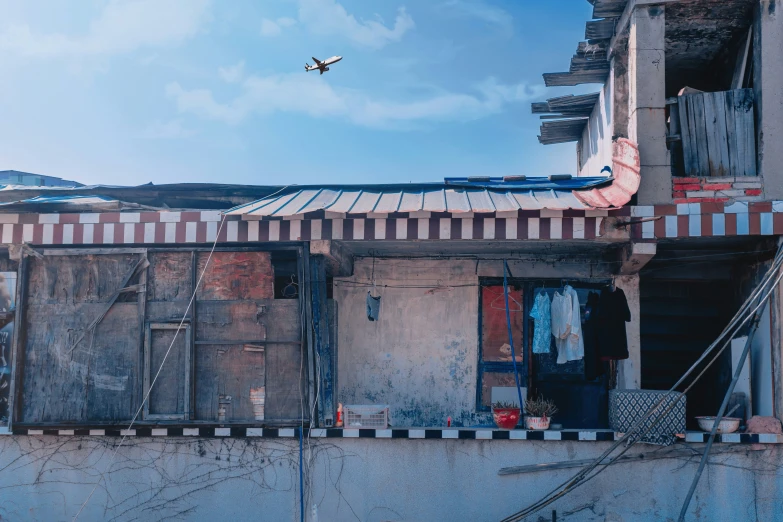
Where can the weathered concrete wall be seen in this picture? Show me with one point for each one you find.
(420, 358)
(596, 142)
(48, 478)
(768, 70)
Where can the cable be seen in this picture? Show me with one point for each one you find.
(146, 397)
(510, 334)
(734, 326)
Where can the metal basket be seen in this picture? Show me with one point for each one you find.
(370, 416)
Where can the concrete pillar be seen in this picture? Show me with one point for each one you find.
(768, 90)
(647, 102)
(630, 370)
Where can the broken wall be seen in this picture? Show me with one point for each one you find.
(421, 356)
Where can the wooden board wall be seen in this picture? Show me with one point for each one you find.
(237, 367)
(98, 378)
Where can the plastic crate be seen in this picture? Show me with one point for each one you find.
(369, 416)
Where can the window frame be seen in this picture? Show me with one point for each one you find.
(188, 384)
(529, 287)
(497, 366)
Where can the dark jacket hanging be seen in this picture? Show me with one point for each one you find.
(593, 365)
(613, 313)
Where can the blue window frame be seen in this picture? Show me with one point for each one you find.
(495, 364)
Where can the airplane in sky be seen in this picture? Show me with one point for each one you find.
(322, 66)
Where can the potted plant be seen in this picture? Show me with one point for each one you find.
(538, 413)
(506, 414)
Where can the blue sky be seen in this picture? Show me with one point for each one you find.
(166, 91)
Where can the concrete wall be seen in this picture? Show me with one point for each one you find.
(769, 95)
(420, 358)
(647, 102)
(47, 478)
(596, 142)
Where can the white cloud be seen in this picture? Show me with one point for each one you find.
(122, 26)
(274, 28)
(328, 18)
(485, 12)
(234, 73)
(311, 95)
(159, 130)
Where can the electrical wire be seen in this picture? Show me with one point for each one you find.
(152, 384)
(734, 326)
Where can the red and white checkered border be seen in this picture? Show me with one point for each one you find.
(714, 219)
(115, 228)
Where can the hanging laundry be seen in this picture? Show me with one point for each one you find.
(567, 326)
(542, 324)
(613, 313)
(593, 365)
(373, 307)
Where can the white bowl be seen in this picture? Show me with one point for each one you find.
(727, 424)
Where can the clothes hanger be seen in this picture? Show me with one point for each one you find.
(503, 307)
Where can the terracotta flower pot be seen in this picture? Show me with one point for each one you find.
(537, 423)
(506, 418)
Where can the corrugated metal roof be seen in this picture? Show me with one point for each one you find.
(454, 200)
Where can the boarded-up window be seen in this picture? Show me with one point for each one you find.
(236, 357)
(72, 373)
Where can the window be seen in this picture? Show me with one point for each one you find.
(496, 366)
(97, 326)
(582, 402)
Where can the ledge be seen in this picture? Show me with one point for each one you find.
(399, 433)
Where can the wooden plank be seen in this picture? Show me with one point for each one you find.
(747, 140)
(17, 359)
(713, 145)
(95, 381)
(323, 345)
(237, 322)
(687, 143)
(690, 152)
(284, 369)
(700, 133)
(236, 275)
(170, 276)
(721, 134)
(83, 279)
(169, 393)
(731, 135)
(229, 382)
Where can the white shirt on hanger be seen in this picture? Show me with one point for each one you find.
(567, 326)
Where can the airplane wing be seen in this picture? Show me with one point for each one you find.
(316, 60)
